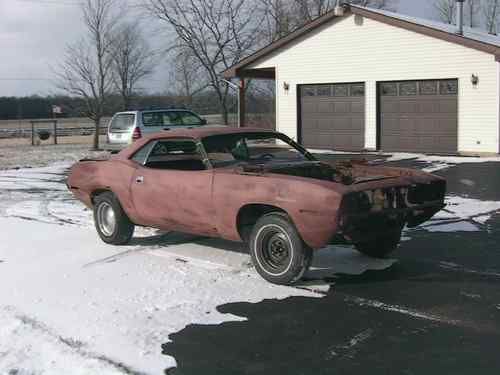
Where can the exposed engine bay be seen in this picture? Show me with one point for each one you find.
(383, 199)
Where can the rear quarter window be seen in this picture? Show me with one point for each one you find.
(141, 155)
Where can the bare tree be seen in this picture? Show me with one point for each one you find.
(307, 10)
(491, 11)
(188, 75)
(446, 10)
(133, 60)
(472, 10)
(379, 4)
(279, 18)
(218, 33)
(86, 70)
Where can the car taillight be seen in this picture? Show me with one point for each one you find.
(137, 134)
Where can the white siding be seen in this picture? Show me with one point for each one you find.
(371, 51)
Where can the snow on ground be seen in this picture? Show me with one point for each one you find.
(398, 156)
(462, 214)
(69, 301)
(72, 304)
(438, 162)
(21, 156)
(120, 302)
(29, 347)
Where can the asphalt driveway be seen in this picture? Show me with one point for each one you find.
(190, 305)
(436, 310)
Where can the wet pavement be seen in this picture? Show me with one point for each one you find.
(434, 311)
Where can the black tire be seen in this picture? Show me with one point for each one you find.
(122, 230)
(381, 246)
(278, 253)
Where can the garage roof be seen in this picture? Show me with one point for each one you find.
(471, 38)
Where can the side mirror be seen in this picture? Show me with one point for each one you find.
(204, 121)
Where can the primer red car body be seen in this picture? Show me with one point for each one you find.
(209, 202)
(349, 202)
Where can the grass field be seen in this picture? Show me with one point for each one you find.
(18, 152)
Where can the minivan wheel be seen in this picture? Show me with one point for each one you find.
(111, 222)
(278, 252)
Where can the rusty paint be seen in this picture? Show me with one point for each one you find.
(208, 202)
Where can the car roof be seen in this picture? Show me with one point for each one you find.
(194, 133)
(154, 110)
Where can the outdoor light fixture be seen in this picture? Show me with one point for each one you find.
(286, 86)
(474, 79)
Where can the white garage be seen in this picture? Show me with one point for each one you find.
(365, 79)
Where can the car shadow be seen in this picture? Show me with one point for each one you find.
(179, 238)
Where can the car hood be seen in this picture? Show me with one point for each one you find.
(346, 173)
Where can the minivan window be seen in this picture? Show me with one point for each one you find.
(170, 118)
(122, 122)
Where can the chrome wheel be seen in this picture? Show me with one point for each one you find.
(274, 249)
(106, 219)
(278, 252)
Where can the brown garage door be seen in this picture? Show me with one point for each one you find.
(333, 116)
(419, 116)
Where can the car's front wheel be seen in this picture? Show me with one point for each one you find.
(278, 252)
(381, 246)
(112, 223)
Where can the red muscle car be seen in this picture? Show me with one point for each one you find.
(255, 186)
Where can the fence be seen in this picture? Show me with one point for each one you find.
(85, 127)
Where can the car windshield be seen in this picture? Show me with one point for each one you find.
(259, 148)
(171, 118)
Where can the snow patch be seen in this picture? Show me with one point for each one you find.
(334, 260)
(28, 347)
(399, 309)
(462, 215)
(121, 302)
(453, 160)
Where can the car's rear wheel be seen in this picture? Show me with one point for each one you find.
(381, 246)
(111, 222)
(278, 252)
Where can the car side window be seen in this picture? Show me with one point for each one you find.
(189, 118)
(175, 154)
(171, 118)
(141, 155)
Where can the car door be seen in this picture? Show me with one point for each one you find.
(172, 188)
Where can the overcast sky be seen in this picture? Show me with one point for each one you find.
(33, 35)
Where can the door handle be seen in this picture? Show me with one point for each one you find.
(139, 179)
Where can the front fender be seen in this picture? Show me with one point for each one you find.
(312, 205)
